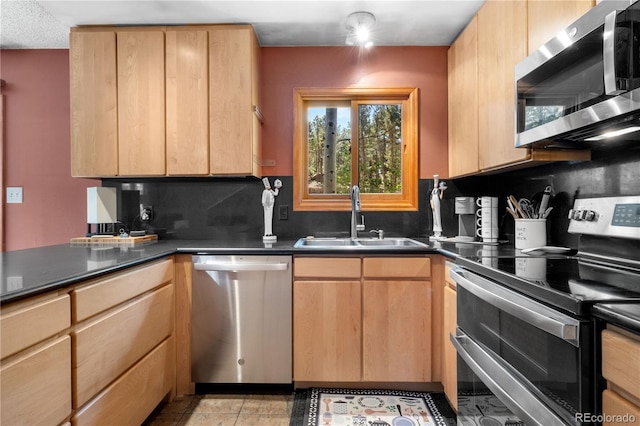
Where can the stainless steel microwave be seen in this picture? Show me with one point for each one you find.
(583, 85)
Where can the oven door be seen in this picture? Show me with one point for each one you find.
(518, 360)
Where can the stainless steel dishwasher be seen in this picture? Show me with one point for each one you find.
(241, 319)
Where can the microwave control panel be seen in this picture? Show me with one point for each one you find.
(606, 216)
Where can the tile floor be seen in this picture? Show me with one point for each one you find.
(224, 410)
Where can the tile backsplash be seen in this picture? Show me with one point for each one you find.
(215, 208)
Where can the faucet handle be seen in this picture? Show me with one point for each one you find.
(380, 233)
(360, 226)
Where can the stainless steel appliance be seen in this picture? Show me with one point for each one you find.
(526, 338)
(584, 84)
(241, 319)
(465, 208)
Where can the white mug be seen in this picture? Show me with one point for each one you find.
(491, 202)
(487, 219)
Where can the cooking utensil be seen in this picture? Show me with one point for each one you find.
(516, 206)
(370, 411)
(544, 203)
(327, 401)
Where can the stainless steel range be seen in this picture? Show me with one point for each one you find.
(526, 338)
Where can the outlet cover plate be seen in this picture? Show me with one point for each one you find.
(14, 194)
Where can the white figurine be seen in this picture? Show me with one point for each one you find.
(436, 196)
(268, 200)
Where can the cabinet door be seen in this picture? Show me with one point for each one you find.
(187, 102)
(232, 75)
(36, 387)
(396, 331)
(449, 358)
(141, 103)
(93, 102)
(463, 102)
(326, 330)
(546, 18)
(502, 42)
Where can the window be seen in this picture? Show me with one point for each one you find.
(367, 137)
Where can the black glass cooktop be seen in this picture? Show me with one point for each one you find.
(568, 283)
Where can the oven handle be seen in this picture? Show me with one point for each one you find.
(534, 313)
(504, 385)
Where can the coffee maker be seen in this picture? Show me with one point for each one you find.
(465, 208)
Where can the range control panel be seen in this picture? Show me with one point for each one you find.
(607, 216)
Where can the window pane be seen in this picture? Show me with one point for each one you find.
(380, 148)
(329, 150)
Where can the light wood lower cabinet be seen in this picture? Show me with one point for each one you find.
(35, 347)
(362, 319)
(126, 335)
(130, 399)
(36, 387)
(621, 368)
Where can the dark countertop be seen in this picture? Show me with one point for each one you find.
(29, 272)
(626, 315)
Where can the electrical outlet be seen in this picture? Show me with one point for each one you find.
(14, 194)
(146, 213)
(283, 213)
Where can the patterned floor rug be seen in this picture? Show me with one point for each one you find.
(370, 407)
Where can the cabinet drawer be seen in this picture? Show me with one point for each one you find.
(613, 405)
(326, 267)
(100, 295)
(23, 324)
(131, 398)
(397, 267)
(621, 361)
(36, 389)
(107, 347)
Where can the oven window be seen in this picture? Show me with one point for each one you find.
(551, 364)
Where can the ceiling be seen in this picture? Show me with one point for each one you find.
(44, 24)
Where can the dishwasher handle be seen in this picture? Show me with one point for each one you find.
(238, 267)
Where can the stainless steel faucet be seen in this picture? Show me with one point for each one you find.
(355, 208)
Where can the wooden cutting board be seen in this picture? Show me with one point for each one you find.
(114, 241)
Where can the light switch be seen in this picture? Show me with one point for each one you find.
(14, 194)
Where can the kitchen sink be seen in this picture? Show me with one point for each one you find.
(357, 244)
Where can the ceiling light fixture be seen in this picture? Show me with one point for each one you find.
(360, 26)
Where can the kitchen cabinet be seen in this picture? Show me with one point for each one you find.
(327, 314)
(187, 102)
(621, 369)
(463, 102)
(235, 128)
(122, 339)
(362, 319)
(449, 356)
(396, 319)
(494, 42)
(35, 376)
(546, 18)
(131, 118)
(141, 103)
(93, 104)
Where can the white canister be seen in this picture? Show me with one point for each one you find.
(530, 233)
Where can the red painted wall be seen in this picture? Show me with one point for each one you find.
(37, 151)
(284, 68)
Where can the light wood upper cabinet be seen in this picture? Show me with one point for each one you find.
(187, 102)
(502, 37)
(546, 18)
(233, 85)
(141, 103)
(130, 117)
(94, 104)
(463, 102)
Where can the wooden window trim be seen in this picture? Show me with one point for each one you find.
(405, 201)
